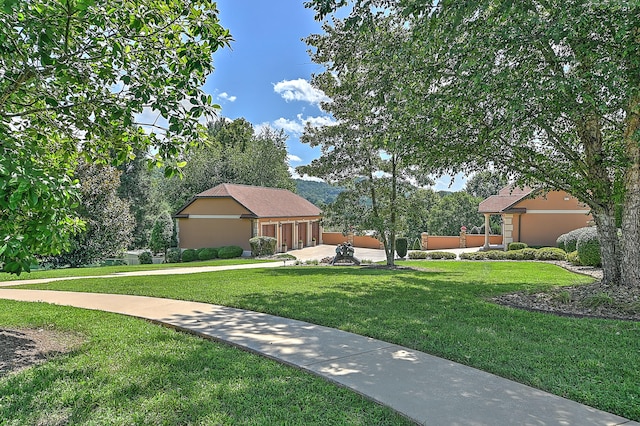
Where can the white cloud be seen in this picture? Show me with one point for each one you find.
(295, 175)
(299, 90)
(227, 97)
(296, 127)
(294, 158)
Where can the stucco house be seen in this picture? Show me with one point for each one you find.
(534, 216)
(230, 214)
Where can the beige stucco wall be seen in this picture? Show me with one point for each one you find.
(199, 233)
(548, 217)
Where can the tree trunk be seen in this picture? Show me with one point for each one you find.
(609, 244)
(631, 210)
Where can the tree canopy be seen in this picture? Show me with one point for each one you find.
(95, 78)
(547, 91)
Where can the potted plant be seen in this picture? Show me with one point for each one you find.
(313, 242)
(284, 247)
(300, 244)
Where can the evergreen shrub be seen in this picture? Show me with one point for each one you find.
(571, 239)
(229, 252)
(207, 253)
(189, 255)
(516, 246)
(401, 247)
(573, 258)
(551, 253)
(588, 247)
(145, 258)
(263, 246)
(418, 254)
(173, 255)
(442, 255)
(560, 242)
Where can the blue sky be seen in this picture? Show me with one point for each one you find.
(265, 75)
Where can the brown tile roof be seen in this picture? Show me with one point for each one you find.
(507, 197)
(263, 202)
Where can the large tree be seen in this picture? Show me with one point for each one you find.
(547, 90)
(233, 154)
(369, 150)
(79, 77)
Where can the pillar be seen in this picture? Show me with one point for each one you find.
(463, 237)
(507, 230)
(424, 241)
(487, 230)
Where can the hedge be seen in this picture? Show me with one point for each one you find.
(229, 252)
(418, 254)
(145, 258)
(588, 247)
(571, 239)
(263, 246)
(189, 255)
(401, 247)
(173, 255)
(207, 253)
(551, 253)
(517, 246)
(442, 255)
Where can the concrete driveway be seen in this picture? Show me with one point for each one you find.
(324, 250)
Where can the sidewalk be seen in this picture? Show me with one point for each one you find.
(427, 389)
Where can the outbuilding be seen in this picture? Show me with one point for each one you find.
(231, 214)
(534, 216)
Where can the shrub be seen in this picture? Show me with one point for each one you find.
(442, 255)
(417, 244)
(207, 253)
(560, 242)
(517, 246)
(478, 255)
(496, 255)
(571, 239)
(551, 253)
(145, 258)
(573, 258)
(418, 254)
(229, 252)
(173, 255)
(263, 246)
(588, 247)
(529, 253)
(401, 247)
(189, 255)
(515, 255)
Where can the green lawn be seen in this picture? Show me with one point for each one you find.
(132, 372)
(442, 310)
(106, 270)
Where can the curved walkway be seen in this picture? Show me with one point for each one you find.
(427, 389)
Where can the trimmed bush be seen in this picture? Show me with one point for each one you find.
(529, 253)
(189, 255)
(229, 252)
(588, 247)
(207, 253)
(573, 258)
(517, 246)
(145, 258)
(478, 255)
(515, 255)
(497, 255)
(571, 239)
(442, 255)
(173, 255)
(401, 247)
(263, 246)
(560, 242)
(551, 253)
(418, 254)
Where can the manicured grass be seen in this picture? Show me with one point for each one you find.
(442, 310)
(130, 372)
(107, 270)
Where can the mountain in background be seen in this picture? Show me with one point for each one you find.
(317, 192)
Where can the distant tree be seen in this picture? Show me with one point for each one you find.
(454, 211)
(161, 233)
(234, 154)
(318, 193)
(485, 184)
(415, 218)
(109, 222)
(370, 151)
(75, 78)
